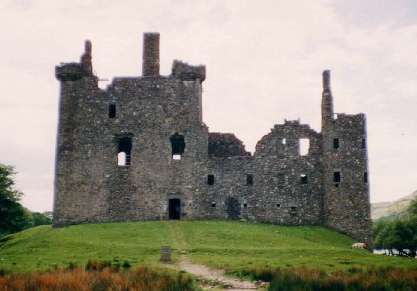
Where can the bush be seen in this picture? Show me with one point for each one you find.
(381, 279)
(94, 279)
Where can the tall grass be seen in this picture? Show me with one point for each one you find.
(354, 279)
(98, 277)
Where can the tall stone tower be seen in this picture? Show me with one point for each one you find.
(345, 164)
(123, 153)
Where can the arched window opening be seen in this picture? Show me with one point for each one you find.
(124, 145)
(177, 145)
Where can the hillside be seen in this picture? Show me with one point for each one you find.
(394, 208)
(230, 245)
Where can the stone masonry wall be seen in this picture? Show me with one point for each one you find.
(154, 125)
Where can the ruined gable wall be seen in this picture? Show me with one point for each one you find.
(281, 195)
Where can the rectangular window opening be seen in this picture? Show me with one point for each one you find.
(112, 110)
(284, 141)
(124, 151)
(303, 179)
(364, 143)
(177, 146)
(293, 211)
(249, 179)
(365, 177)
(336, 143)
(245, 205)
(278, 205)
(210, 179)
(336, 178)
(213, 204)
(304, 146)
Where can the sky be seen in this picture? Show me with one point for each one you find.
(264, 62)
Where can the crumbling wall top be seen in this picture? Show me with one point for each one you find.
(224, 145)
(185, 71)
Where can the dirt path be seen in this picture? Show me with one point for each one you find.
(215, 279)
(209, 279)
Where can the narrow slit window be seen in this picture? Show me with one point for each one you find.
(177, 146)
(304, 146)
(365, 177)
(112, 110)
(364, 143)
(124, 145)
(336, 177)
(210, 179)
(336, 143)
(303, 179)
(284, 141)
(245, 205)
(249, 179)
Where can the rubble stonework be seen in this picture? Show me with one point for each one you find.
(139, 150)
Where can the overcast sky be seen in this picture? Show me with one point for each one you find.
(264, 62)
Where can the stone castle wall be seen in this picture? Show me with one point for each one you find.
(175, 168)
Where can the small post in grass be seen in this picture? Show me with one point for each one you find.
(166, 252)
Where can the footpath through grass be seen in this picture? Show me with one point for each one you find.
(234, 246)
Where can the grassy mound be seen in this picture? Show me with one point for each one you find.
(234, 246)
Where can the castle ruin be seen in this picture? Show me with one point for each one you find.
(139, 150)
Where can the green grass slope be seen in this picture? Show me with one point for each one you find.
(231, 245)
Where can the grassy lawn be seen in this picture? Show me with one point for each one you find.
(231, 245)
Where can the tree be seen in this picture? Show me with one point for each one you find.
(40, 219)
(13, 216)
(412, 209)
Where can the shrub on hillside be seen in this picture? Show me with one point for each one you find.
(355, 279)
(141, 279)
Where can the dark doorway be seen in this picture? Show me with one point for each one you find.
(232, 208)
(174, 208)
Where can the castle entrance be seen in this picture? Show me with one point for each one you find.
(232, 208)
(174, 208)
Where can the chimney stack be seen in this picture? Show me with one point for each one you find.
(327, 101)
(150, 60)
(326, 80)
(86, 58)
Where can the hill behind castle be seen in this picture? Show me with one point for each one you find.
(231, 245)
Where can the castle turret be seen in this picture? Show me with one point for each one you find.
(150, 60)
(78, 88)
